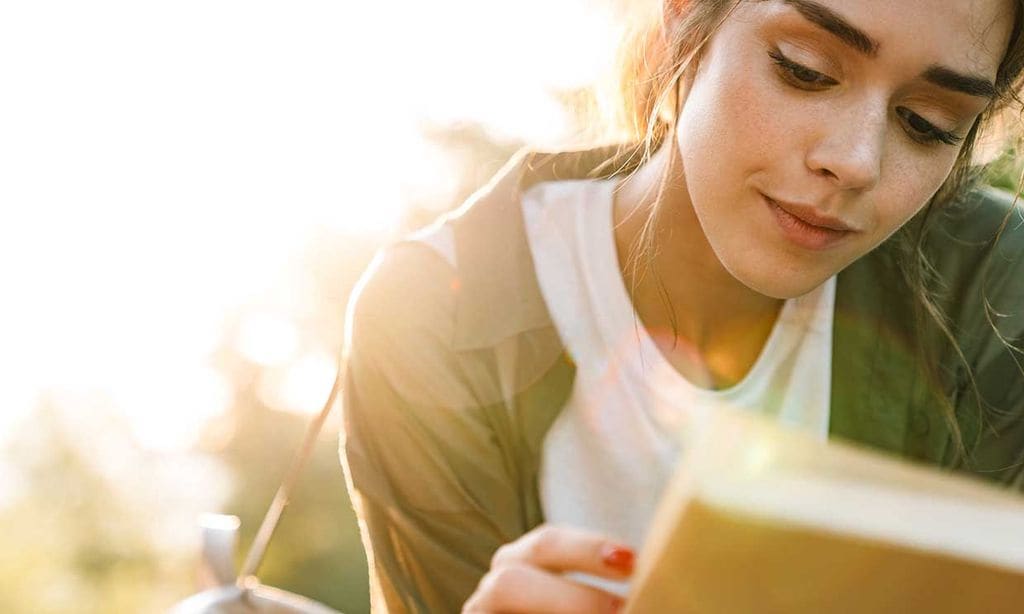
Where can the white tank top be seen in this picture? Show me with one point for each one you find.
(610, 453)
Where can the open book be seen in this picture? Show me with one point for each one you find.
(764, 519)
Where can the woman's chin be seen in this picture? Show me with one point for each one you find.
(780, 283)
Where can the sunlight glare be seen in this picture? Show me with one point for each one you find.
(430, 175)
(486, 73)
(189, 174)
(267, 339)
(301, 387)
(168, 410)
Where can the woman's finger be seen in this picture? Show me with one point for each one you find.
(568, 549)
(518, 587)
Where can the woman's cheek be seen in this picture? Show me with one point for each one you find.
(921, 175)
(738, 122)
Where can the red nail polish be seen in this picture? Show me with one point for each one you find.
(618, 558)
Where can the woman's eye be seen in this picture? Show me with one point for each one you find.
(923, 131)
(800, 75)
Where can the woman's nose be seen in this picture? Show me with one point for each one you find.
(848, 149)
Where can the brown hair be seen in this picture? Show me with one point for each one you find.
(653, 61)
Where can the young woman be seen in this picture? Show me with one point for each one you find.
(795, 235)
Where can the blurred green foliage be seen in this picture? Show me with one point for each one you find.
(1005, 171)
(316, 550)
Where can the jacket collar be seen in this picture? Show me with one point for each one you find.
(498, 294)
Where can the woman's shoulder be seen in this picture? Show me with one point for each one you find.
(981, 221)
(976, 257)
(439, 325)
(977, 246)
(405, 297)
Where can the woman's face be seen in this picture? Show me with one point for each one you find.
(813, 129)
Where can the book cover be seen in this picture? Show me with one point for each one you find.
(760, 518)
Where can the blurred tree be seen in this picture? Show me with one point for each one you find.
(316, 550)
(92, 525)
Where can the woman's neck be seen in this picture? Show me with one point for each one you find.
(711, 327)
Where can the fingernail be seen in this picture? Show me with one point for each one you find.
(619, 558)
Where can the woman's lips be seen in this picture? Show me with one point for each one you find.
(806, 229)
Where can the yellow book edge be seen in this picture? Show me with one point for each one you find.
(761, 518)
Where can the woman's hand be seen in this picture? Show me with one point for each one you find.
(526, 575)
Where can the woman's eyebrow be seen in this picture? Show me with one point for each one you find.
(942, 76)
(958, 82)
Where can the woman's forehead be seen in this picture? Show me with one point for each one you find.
(973, 34)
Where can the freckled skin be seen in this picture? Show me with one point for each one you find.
(745, 130)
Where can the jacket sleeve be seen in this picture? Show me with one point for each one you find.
(429, 482)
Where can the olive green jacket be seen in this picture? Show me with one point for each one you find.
(454, 374)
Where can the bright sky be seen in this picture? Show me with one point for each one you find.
(162, 164)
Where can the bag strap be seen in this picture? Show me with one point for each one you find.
(254, 557)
